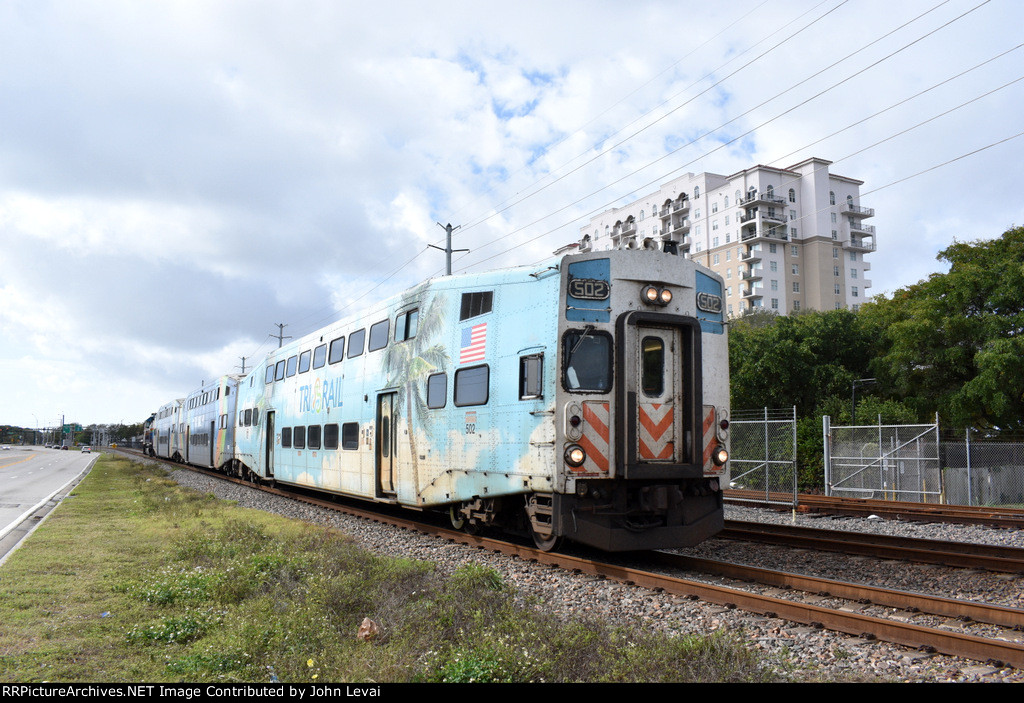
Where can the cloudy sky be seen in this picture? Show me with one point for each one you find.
(178, 177)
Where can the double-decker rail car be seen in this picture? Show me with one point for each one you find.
(583, 399)
(208, 416)
(167, 430)
(147, 435)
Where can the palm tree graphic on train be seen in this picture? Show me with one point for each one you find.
(409, 363)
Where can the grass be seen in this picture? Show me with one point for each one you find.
(136, 579)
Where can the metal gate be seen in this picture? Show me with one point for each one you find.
(886, 462)
(763, 454)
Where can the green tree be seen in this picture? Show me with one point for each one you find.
(953, 343)
(800, 360)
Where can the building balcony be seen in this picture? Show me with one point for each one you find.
(753, 235)
(751, 293)
(860, 227)
(752, 275)
(860, 244)
(750, 256)
(765, 197)
(681, 227)
(856, 210)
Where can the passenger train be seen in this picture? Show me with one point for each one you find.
(584, 399)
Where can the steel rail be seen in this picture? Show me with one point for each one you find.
(1003, 616)
(959, 554)
(900, 510)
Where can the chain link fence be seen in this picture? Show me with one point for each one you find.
(763, 454)
(983, 470)
(883, 462)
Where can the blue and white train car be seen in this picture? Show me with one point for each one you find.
(166, 431)
(582, 399)
(208, 416)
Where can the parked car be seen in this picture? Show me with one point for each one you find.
(86, 450)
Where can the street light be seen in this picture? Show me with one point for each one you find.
(853, 396)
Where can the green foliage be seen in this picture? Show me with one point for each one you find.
(953, 343)
(474, 575)
(798, 359)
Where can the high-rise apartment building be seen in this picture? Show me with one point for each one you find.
(784, 239)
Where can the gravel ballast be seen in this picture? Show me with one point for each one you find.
(804, 652)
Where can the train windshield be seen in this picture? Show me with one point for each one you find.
(587, 360)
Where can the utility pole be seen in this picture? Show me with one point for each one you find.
(243, 365)
(280, 336)
(448, 246)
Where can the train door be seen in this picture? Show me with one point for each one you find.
(188, 441)
(659, 394)
(385, 450)
(213, 443)
(271, 437)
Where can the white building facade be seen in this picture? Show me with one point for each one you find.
(783, 239)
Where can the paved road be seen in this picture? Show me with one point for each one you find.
(29, 479)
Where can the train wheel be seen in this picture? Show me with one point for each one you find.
(458, 522)
(546, 544)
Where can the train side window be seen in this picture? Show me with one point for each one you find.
(437, 390)
(587, 361)
(270, 374)
(304, 360)
(330, 436)
(279, 371)
(255, 416)
(313, 437)
(471, 386)
(355, 343)
(406, 324)
(337, 350)
(293, 365)
(652, 366)
(474, 304)
(531, 376)
(350, 435)
(286, 437)
(320, 356)
(379, 335)
(248, 417)
(223, 421)
(299, 437)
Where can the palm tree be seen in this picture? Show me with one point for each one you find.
(409, 363)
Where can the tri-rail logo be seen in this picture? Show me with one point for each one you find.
(708, 302)
(320, 395)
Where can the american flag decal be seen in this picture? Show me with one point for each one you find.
(474, 343)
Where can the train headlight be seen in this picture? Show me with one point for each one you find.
(656, 296)
(574, 455)
(720, 456)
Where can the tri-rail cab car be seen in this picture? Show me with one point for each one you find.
(585, 398)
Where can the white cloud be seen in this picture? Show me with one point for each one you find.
(176, 177)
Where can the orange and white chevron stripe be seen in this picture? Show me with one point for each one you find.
(595, 439)
(656, 431)
(710, 440)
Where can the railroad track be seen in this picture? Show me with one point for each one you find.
(894, 510)
(955, 554)
(999, 648)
